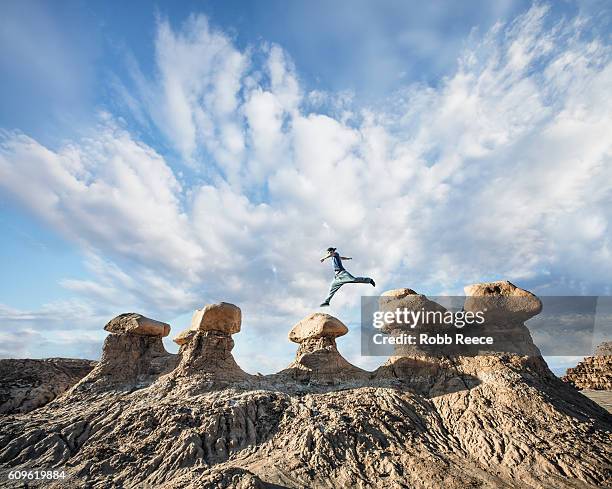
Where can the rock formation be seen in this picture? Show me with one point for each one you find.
(132, 354)
(593, 372)
(506, 309)
(317, 359)
(29, 384)
(604, 349)
(494, 420)
(206, 346)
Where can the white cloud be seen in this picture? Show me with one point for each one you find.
(502, 171)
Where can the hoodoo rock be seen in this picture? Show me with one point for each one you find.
(317, 326)
(224, 317)
(29, 384)
(137, 324)
(317, 359)
(434, 369)
(133, 354)
(206, 346)
(594, 372)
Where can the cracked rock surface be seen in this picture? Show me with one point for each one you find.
(29, 384)
(196, 420)
(593, 373)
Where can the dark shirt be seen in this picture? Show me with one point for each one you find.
(337, 262)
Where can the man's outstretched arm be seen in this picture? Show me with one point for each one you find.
(325, 258)
(345, 258)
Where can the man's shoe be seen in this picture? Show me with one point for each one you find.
(372, 282)
(324, 304)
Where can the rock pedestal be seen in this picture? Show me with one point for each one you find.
(594, 372)
(206, 346)
(317, 358)
(437, 369)
(506, 308)
(133, 353)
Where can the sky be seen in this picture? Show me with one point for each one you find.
(156, 157)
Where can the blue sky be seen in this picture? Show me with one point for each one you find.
(157, 157)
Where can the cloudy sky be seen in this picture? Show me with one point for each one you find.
(166, 156)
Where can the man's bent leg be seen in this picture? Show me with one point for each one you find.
(349, 279)
(333, 288)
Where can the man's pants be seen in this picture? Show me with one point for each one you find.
(342, 278)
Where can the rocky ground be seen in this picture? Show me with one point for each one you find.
(603, 398)
(146, 418)
(593, 373)
(29, 384)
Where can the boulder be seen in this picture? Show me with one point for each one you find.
(138, 324)
(317, 325)
(503, 301)
(224, 317)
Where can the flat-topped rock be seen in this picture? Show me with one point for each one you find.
(223, 316)
(133, 323)
(317, 325)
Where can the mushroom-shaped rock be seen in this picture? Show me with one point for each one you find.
(207, 344)
(317, 359)
(137, 324)
(224, 317)
(502, 301)
(132, 355)
(504, 308)
(317, 325)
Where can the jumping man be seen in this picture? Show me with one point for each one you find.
(341, 276)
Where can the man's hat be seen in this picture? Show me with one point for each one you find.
(330, 249)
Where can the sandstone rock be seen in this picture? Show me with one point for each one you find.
(488, 421)
(128, 361)
(184, 337)
(317, 325)
(593, 373)
(507, 430)
(133, 323)
(26, 384)
(604, 349)
(208, 355)
(502, 301)
(207, 344)
(224, 317)
(133, 355)
(399, 293)
(406, 299)
(317, 359)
